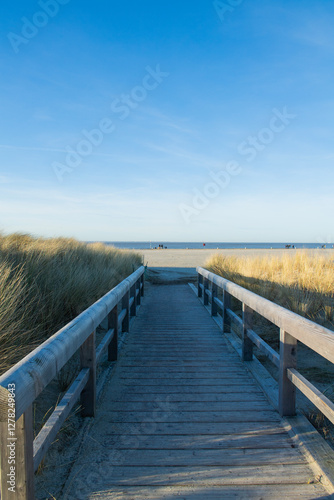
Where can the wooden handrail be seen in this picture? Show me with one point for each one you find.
(292, 328)
(317, 337)
(21, 385)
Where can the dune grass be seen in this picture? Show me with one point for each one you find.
(44, 283)
(301, 282)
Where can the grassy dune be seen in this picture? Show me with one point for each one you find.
(44, 283)
(301, 282)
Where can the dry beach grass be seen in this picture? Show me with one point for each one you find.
(301, 282)
(44, 283)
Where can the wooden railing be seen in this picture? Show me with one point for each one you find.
(293, 328)
(19, 387)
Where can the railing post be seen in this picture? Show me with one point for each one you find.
(113, 324)
(205, 295)
(200, 282)
(125, 305)
(88, 360)
(133, 309)
(288, 359)
(226, 318)
(247, 324)
(142, 282)
(139, 294)
(214, 307)
(17, 482)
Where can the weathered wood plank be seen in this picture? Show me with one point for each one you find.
(312, 393)
(220, 406)
(210, 416)
(187, 428)
(197, 442)
(210, 476)
(58, 417)
(188, 397)
(248, 492)
(185, 458)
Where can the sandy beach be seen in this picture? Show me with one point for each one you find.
(179, 265)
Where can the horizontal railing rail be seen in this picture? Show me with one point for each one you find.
(293, 328)
(20, 454)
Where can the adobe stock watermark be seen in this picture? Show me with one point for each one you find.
(250, 148)
(31, 27)
(122, 107)
(226, 7)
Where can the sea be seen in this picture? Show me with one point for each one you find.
(144, 245)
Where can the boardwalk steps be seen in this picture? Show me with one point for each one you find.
(183, 418)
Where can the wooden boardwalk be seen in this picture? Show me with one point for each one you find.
(182, 418)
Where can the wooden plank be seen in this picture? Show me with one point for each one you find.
(219, 372)
(247, 492)
(50, 429)
(264, 347)
(210, 476)
(249, 386)
(184, 374)
(210, 416)
(187, 382)
(121, 317)
(104, 344)
(190, 429)
(178, 397)
(205, 458)
(215, 406)
(312, 393)
(206, 442)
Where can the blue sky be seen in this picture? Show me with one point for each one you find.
(186, 92)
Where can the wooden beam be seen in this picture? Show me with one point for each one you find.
(88, 360)
(113, 325)
(54, 423)
(312, 393)
(247, 323)
(126, 307)
(264, 347)
(214, 307)
(206, 295)
(132, 303)
(287, 390)
(226, 318)
(199, 288)
(17, 444)
(104, 344)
